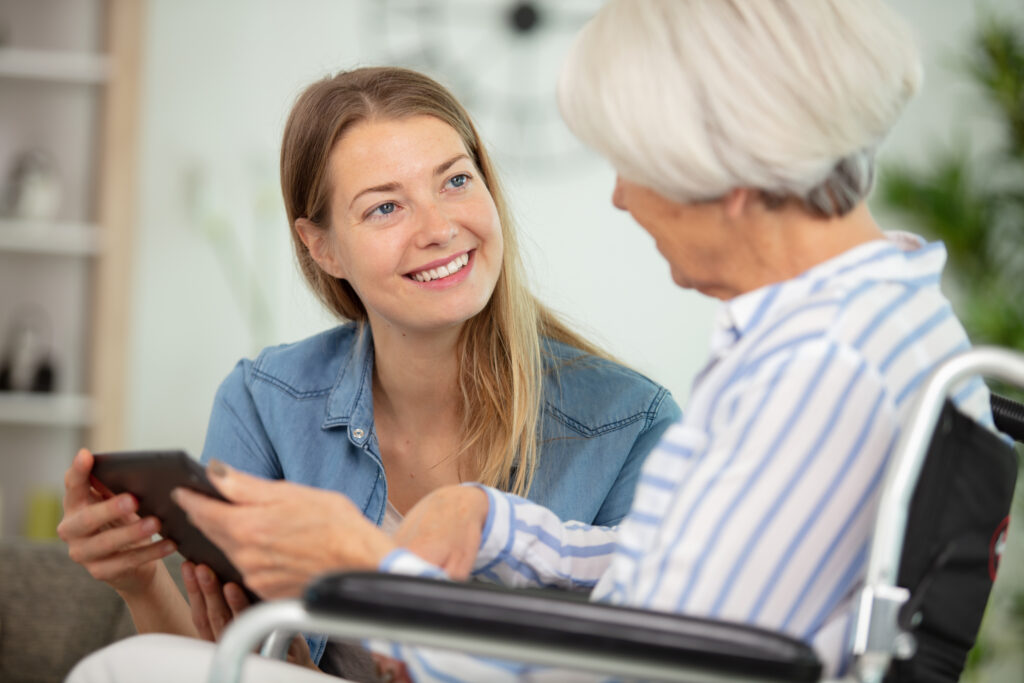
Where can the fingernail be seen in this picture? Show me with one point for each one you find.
(126, 503)
(217, 468)
(149, 526)
(176, 497)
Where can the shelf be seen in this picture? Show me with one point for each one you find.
(45, 237)
(52, 65)
(51, 410)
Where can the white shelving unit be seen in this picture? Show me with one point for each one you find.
(47, 237)
(54, 65)
(46, 410)
(69, 73)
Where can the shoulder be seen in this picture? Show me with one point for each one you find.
(302, 369)
(593, 395)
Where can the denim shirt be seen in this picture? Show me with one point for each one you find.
(304, 412)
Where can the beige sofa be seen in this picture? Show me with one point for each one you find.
(52, 613)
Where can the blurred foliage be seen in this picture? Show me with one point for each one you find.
(974, 200)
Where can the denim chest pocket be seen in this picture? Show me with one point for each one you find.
(590, 426)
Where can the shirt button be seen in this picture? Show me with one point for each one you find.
(358, 433)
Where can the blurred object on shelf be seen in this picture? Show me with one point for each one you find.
(27, 363)
(42, 514)
(33, 189)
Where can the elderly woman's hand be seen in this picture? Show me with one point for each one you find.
(280, 535)
(444, 528)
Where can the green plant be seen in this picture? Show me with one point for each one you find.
(974, 200)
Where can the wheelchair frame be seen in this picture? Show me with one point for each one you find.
(876, 636)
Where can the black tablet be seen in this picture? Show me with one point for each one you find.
(150, 476)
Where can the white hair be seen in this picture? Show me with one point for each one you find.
(693, 98)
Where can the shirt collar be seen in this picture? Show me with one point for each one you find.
(900, 257)
(351, 400)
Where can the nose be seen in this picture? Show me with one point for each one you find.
(436, 228)
(619, 194)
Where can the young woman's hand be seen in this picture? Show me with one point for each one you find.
(445, 527)
(106, 535)
(280, 535)
(214, 607)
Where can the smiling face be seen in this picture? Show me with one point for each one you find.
(414, 229)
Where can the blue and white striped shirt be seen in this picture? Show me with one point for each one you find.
(757, 506)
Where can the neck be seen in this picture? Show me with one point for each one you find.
(415, 378)
(783, 243)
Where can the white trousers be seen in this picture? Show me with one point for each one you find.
(160, 658)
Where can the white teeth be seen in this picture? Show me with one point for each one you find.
(450, 268)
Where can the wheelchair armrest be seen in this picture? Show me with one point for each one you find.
(544, 618)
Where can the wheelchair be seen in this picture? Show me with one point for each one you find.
(941, 523)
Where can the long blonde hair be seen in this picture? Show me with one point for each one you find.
(501, 358)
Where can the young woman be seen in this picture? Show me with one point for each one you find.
(449, 369)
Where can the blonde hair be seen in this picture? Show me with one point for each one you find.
(694, 98)
(500, 350)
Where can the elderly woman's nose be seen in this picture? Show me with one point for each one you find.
(436, 227)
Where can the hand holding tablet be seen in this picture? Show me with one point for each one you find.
(151, 476)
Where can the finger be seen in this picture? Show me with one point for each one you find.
(76, 480)
(457, 567)
(196, 602)
(401, 673)
(217, 610)
(109, 569)
(298, 653)
(238, 486)
(86, 521)
(236, 598)
(111, 541)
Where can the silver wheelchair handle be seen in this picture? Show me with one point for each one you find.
(902, 472)
(876, 636)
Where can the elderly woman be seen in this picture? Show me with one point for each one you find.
(744, 135)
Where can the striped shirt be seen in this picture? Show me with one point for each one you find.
(757, 506)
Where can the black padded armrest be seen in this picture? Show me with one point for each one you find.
(551, 616)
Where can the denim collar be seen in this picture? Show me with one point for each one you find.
(351, 400)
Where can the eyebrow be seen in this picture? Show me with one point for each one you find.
(392, 187)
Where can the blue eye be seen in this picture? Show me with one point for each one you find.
(459, 180)
(386, 208)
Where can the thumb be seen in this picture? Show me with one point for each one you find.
(237, 486)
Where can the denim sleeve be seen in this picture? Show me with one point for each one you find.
(236, 435)
(662, 412)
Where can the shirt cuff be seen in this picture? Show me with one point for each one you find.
(401, 561)
(498, 533)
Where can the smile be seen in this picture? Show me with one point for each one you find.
(442, 271)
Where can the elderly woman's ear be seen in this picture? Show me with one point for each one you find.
(737, 202)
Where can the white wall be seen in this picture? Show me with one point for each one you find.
(219, 79)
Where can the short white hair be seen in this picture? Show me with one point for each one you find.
(693, 98)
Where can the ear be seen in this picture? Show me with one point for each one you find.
(736, 202)
(320, 246)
